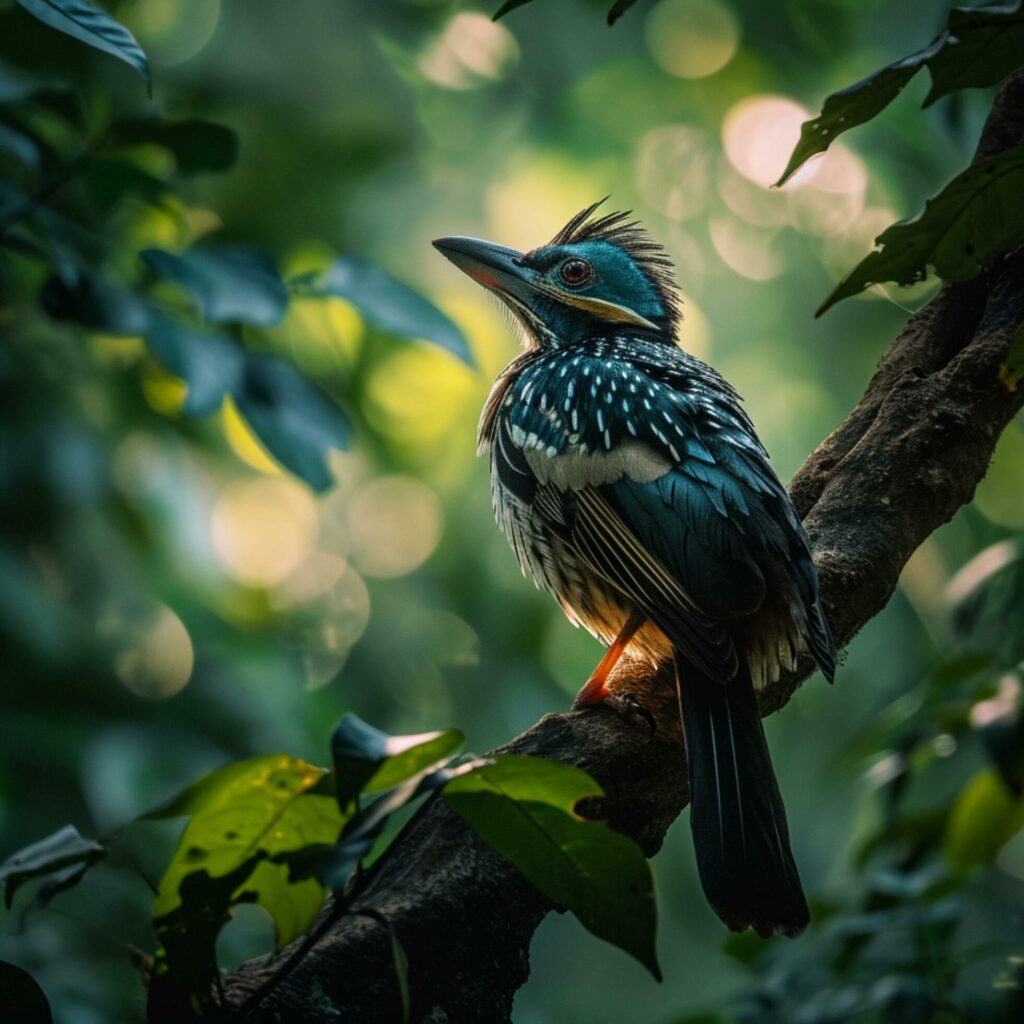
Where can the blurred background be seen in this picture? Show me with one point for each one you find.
(172, 599)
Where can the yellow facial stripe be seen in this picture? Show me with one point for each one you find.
(606, 310)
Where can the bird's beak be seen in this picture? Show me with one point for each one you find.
(493, 266)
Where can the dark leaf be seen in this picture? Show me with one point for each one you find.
(112, 181)
(524, 807)
(508, 6)
(366, 759)
(386, 303)
(97, 304)
(22, 1001)
(985, 44)
(20, 146)
(619, 8)
(92, 26)
(245, 814)
(1004, 741)
(229, 284)
(63, 849)
(211, 364)
(197, 146)
(298, 425)
(978, 216)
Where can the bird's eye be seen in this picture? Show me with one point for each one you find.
(575, 271)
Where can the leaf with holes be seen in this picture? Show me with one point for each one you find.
(245, 814)
(229, 284)
(978, 216)
(368, 760)
(63, 851)
(525, 808)
(387, 303)
(94, 27)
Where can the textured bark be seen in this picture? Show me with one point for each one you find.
(902, 463)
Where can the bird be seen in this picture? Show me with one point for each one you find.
(632, 486)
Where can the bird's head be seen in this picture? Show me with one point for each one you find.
(597, 276)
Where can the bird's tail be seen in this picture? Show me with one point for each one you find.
(736, 813)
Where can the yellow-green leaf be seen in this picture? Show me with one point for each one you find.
(985, 817)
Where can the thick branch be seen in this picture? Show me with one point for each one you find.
(902, 463)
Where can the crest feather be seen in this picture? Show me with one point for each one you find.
(628, 235)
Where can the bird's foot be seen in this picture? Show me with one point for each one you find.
(622, 702)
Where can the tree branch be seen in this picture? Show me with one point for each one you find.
(902, 463)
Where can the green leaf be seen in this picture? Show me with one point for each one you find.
(366, 759)
(386, 303)
(196, 146)
(23, 1001)
(989, 45)
(984, 818)
(20, 146)
(855, 105)
(1011, 373)
(93, 302)
(229, 284)
(980, 47)
(94, 27)
(211, 364)
(978, 216)
(66, 848)
(298, 425)
(524, 807)
(244, 815)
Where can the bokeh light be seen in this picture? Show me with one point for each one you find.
(263, 529)
(692, 38)
(173, 31)
(759, 133)
(153, 653)
(750, 251)
(472, 51)
(674, 166)
(395, 523)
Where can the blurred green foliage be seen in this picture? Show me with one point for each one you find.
(191, 575)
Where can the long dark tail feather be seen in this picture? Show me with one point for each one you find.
(736, 813)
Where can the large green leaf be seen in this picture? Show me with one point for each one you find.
(368, 760)
(21, 999)
(298, 425)
(91, 26)
(978, 216)
(985, 817)
(524, 807)
(64, 853)
(211, 364)
(230, 284)
(197, 146)
(980, 47)
(244, 815)
(386, 303)
(983, 46)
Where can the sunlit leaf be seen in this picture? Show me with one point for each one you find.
(1011, 373)
(985, 44)
(21, 998)
(95, 303)
(245, 814)
(978, 216)
(229, 284)
(197, 146)
(211, 364)
(386, 303)
(985, 817)
(980, 47)
(92, 26)
(298, 425)
(366, 759)
(524, 808)
(66, 848)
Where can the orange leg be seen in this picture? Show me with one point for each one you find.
(596, 689)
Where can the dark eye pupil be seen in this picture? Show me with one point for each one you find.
(574, 271)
